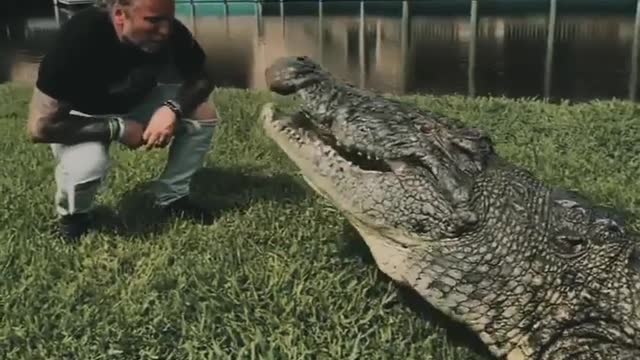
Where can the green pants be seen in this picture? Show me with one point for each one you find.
(81, 168)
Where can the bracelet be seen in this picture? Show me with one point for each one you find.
(121, 126)
(113, 128)
(175, 107)
(116, 128)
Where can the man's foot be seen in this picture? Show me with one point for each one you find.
(72, 227)
(186, 208)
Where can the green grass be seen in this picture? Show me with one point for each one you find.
(279, 275)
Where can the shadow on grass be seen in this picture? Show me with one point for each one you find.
(216, 189)
(457, 334)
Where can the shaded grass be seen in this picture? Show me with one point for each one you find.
(280, 275)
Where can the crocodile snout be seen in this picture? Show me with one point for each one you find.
(276, 78)
(292, 73)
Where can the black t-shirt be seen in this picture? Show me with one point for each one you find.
(91, 69)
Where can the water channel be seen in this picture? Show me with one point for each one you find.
(395, 47)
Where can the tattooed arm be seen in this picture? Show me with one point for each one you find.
(50, 121)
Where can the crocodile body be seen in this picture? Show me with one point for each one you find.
(536, 271)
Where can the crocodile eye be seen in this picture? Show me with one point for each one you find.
(610, 226)
(570, 245)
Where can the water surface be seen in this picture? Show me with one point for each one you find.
(393, 47)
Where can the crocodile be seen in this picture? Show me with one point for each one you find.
(535, 271)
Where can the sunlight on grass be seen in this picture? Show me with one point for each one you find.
(280, 275)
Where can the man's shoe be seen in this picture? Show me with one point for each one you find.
(186, 208)
(72, 227)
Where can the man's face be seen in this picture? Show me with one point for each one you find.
(146, 23)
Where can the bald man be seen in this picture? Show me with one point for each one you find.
(98, 84)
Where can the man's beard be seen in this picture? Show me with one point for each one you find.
(147, 46)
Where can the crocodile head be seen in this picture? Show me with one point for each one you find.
(535, 271)
(373, 157)
(289, 75)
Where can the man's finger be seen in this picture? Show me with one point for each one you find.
(160, 142)
(152, 139)
(149, 134)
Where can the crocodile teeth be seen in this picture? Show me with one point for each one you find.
(396, 166)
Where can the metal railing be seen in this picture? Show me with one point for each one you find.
(548, 27)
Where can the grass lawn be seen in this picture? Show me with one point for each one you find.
(279, 275)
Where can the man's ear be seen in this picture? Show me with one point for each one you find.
(119, 14)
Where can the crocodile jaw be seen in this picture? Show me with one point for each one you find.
(321, 166)
(315, 160)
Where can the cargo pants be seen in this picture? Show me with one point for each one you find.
(81, 169)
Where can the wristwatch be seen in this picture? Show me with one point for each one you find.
(175, 107)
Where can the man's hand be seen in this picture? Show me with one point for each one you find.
(160, 129)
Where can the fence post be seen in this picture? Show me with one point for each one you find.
(633, 80)
(471, 69)
(282, 24)
(361, 52)
(405, 29)
(320, 33)
(548, 62)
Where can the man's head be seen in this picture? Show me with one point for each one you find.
(144, 23)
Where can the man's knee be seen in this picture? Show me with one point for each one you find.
(85, 162)
(205, 111)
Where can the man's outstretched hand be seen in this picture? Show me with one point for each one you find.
(161, 128)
